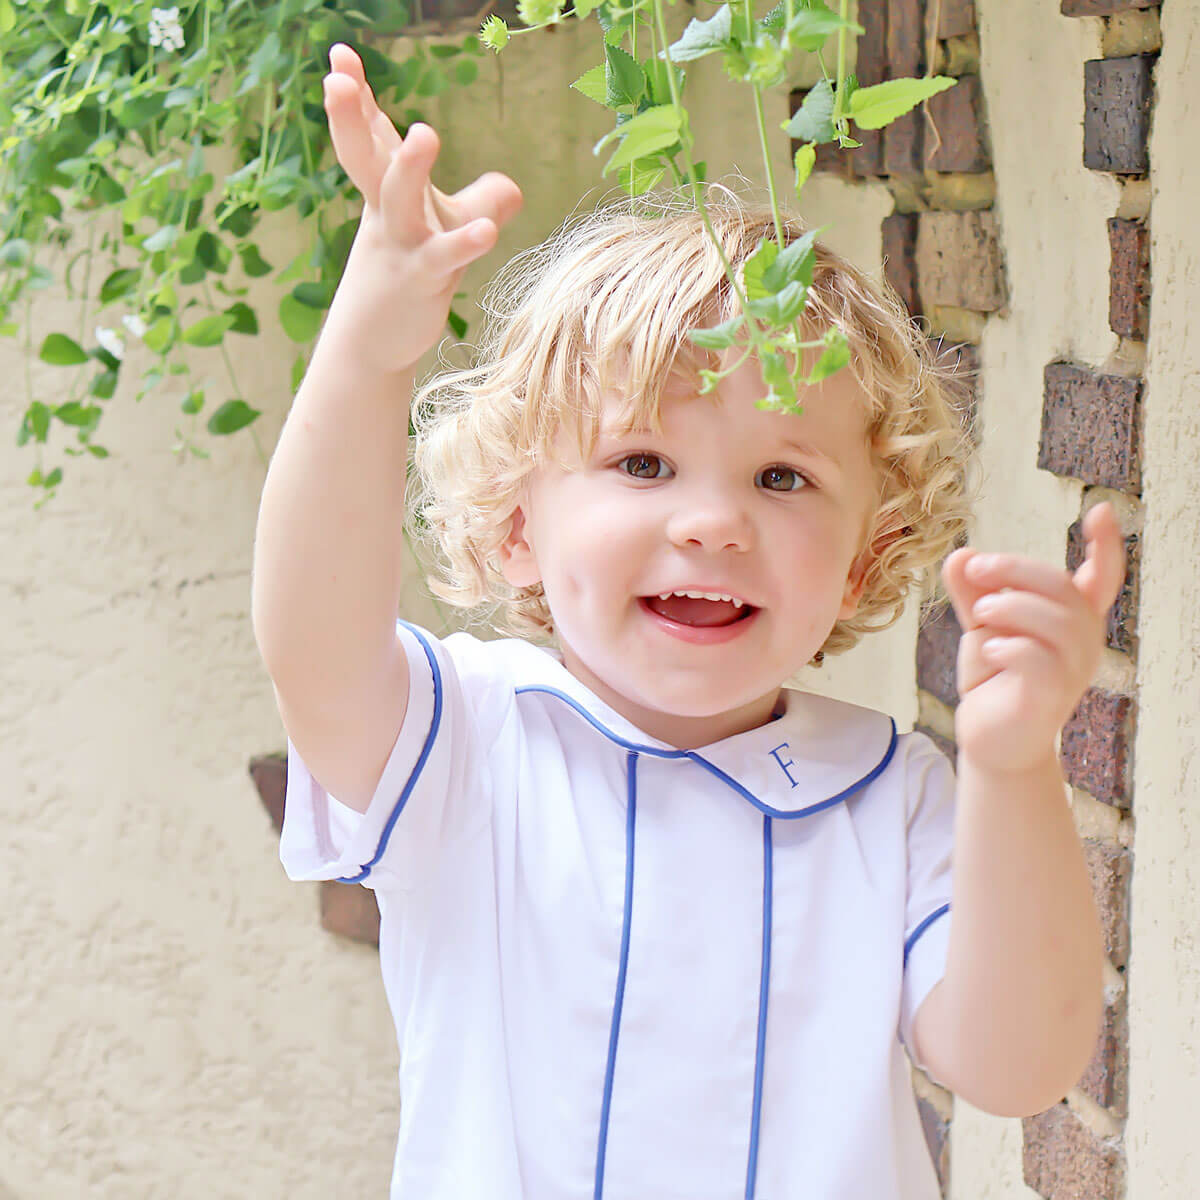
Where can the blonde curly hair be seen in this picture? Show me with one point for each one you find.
(609, 297)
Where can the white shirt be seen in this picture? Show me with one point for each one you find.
(621, 971)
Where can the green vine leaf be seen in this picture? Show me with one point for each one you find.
(704, 37)
(593, 84)
(232, 416)
(208, 331)
(119, 283)
(804, 162)
(62, 351)
(813, 120)
(833, 358)
(300, 321)
(811, 26)
(793, 264)
(625, 80)
(718, 337)
(879, 105)
(654, 129)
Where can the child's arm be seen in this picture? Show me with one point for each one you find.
(327, 558)
(1012, 1024)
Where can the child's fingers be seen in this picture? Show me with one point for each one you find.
(449, 252)
(961, 590)
(345, 61)
(1020, 613)
(1102, 572)
(404, 185)
(492, 195)
(353, 143)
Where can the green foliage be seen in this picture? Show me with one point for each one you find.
(653, 138)
(113, 118)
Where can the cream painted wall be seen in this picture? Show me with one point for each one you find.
(1164, 996)
(179, 1024)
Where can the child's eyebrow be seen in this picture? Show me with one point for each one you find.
(808, 450)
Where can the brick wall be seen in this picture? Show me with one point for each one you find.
(1091, 431)
(944, 258)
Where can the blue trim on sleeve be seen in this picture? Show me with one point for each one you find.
(920, 929)
(619, 998)
(434, 724)
(765, 809)
(764, 989)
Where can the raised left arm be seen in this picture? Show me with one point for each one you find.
(1013, 1022)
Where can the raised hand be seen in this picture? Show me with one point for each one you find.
(1032, 637)
(413, 242)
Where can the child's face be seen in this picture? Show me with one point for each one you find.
(770, 508)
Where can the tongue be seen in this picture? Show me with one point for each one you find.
(688, 611)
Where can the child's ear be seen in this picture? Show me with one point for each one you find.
(856, 580)
(518, 563)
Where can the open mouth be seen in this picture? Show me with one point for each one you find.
(698, 611)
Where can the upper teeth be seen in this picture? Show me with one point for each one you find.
(705, 596)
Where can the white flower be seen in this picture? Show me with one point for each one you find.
(165, 29)
(109, 341)
(134, 324)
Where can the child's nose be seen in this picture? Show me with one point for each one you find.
(713, 523)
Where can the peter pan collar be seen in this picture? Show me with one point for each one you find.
(818, 753)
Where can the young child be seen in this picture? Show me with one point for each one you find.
(654, 926)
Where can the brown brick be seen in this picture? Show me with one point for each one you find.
(954, 139)
(1129, 278)
(832, 158)
(937, 655)
(1122, 617)
(1097, 746)
(903, 138)
(955, 18)
(959, 261)
(1102, 8)
(1064, 1160)
(1110, 867)
(1106, 1078)
(870, 67)
(937, 1137)
(899, 233)
(350, 911)
(1117, 94)
(269, 773)
(1091, 427)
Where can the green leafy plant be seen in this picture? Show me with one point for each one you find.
(653, 137)
(143, 150)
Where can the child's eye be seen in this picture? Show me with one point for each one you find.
(644, 466)
(781, 479)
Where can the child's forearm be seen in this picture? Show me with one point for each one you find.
(1016, 1016)
(327, 559)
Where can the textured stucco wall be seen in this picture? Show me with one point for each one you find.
(179, 1024)
(1164, 994)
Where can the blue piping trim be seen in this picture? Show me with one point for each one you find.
(434, 724)
(764, 989)
(765, 809)
(619, 998)
(920, 929)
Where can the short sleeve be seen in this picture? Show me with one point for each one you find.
(434, 787)
(930, 841)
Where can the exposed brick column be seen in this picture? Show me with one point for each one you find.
(942, 256)
(347, 910)
(1091, 431)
